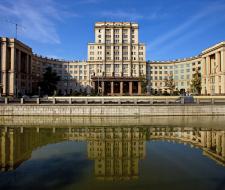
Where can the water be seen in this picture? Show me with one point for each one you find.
(112, 153)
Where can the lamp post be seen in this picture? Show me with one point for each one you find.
(103, 86)
(98, 84)
(0, 90)
(39, 91)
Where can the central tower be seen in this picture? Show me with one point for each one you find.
(116, 60)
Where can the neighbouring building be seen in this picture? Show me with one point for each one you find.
(213, 70)
(210, 63)
(180, 70)
(15, 67)
(116, 65)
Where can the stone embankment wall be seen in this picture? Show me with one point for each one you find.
(112, 110)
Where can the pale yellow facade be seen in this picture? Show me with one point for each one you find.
(116, 151)
(16, 71)
(117, 58)
(210, 63)
(116, 64)
(117, 51)
(181, 71)
(213, 70)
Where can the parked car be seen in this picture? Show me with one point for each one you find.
(25, 97)
(35, 96)
(185, 99)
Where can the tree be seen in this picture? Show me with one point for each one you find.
(144, 83)
(169, 83)
(196, 85)
(49, 82)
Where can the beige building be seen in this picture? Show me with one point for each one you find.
(15, 68)
(210, 63)
(181, 71)
(73, 74)
(117, 60)
(213, 70)
(116, 65)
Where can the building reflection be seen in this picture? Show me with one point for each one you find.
(116, 151)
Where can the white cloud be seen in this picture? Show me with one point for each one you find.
(38, 17)
(120, 14)
(185, 27)
(89, 1)
(132, 14)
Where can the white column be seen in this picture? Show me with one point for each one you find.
(223, 145)
(203, 138)
(203, 72)
(223, 60)
(208, 75)
(223, 72)
(208, 65)
(218, 61)
(217, 70)
(3, 153)
(218, 143)
(19, 72)
(209, 139)
(11, 148)
(12, 73)
(4, 66)
(223, 84)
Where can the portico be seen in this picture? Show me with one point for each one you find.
(116, 86)
(213, 70)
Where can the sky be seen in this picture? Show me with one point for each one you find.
(171, 29)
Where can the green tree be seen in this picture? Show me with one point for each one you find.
(196, 85)
(49, 82)
(169, 83)
(144, 84)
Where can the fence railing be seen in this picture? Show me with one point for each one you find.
(117, 100)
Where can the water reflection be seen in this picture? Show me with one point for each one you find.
(116, 151)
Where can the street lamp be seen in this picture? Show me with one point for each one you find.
(103, 73)
(98, 83)
(0, 90)
(39, 91)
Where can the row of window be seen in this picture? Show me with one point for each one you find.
(117, 58)
(162, 84)
(116, 53)
(116, 31)
(117, 47)
(74, 66)
(115, 41)
(175, 66)
(116, 36)
(176, 77)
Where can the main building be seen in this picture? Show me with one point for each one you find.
(116, 65)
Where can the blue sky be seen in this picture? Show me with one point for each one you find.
(171, 29)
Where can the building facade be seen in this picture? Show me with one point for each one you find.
(210, 63)
(213, 70)
(116, 65)
(181, 71)
(116, 60)
(16, 67)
